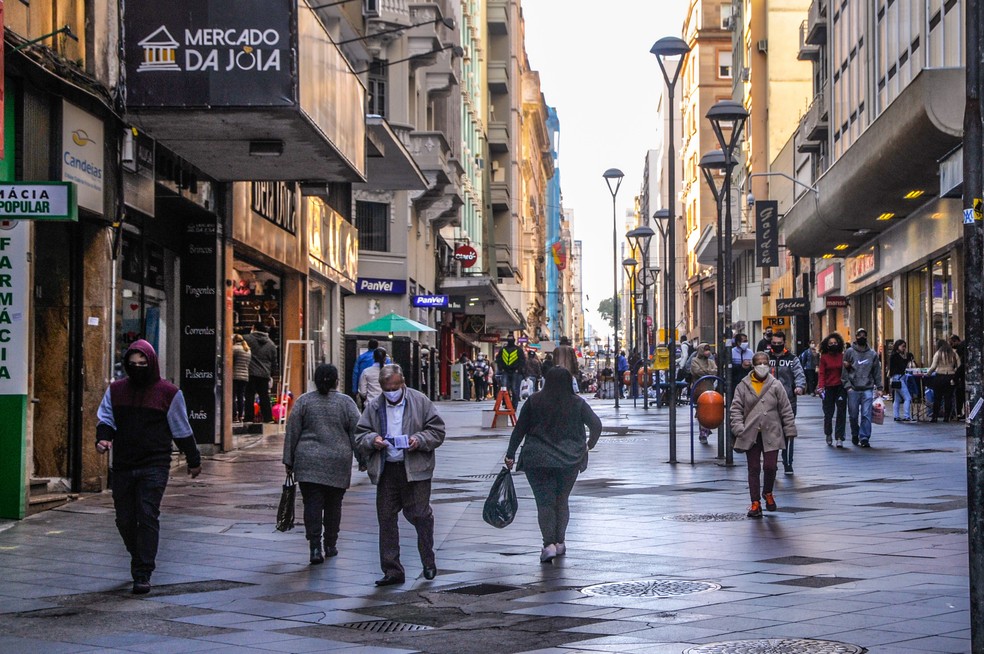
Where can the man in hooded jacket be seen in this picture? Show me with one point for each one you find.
(861, 377)
(263, 366)
(138, 418)
(511, 363)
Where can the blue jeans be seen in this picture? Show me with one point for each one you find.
(137, 496)
(513, 382)
(904, 395)
(859, 412)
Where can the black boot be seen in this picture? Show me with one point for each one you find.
(316, 554)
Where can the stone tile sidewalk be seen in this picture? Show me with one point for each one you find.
(868, 552)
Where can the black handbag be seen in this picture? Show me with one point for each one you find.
(501, 504)
(285, 513)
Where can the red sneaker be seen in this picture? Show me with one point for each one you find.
(770, 502)
(755, 511)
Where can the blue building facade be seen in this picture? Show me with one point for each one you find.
(555, 214)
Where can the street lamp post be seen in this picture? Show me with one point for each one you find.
(671, 50)
(629, 265)
(614, 175)
(640, 238)
(711, 164)
(662, 218)
(727, 116)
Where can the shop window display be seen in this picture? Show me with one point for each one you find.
(256, 299)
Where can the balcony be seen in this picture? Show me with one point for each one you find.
(807, 51)
(498, 137)
(439, 204)
(815, 123)
(816, 30)
(498, 16)
(498, 77)
(280, 104)
(500, 196)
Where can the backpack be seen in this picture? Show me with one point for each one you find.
(688, 364)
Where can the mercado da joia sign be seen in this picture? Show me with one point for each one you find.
(209, 52)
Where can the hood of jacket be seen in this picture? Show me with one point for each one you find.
(261, 337)
(146, 349)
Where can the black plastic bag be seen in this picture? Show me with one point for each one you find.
(500, 507)
(285, 514)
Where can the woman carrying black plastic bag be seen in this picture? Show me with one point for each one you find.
(552, 424)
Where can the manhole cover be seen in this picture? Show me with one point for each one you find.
(816, 582)
(57, 612)
(482, 589)
(707, 517)
(258, 507)
(385, 626)
(650, 588)
(777, 646)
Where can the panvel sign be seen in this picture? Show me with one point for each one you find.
(368, 285)
(209, 53)
(431, 301)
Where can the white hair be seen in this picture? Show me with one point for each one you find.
(389, 370)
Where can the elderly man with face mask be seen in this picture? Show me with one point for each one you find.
(398, 433)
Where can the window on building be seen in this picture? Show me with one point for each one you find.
(724, 64)
(377, 88)
(727, 15)
(372, 221)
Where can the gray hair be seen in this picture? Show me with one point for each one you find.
(389, 370)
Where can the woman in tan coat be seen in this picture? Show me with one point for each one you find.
(761, 421)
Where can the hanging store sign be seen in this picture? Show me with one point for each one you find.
(792, 306)
(828, 280)
(139, 172)
(862, 265)
(275, 201)
(38, 201)
(835, 301)
(467, 255)
(82, 155)
(14, 292)
(369, 285)
(209, 53)
(766, 233)
(333, 243)
(431, 301)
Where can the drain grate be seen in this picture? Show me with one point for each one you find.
(816, 582)
(941, 531)
(650, 588)
(385, 626)
(707, 517)
(797, 560)
(776, 645)
(212, 586)
(482, 589)
(491, 475)
(56, 612)
(926, 451)
(621, 441)
(258, 507)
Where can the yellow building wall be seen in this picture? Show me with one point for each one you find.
(41, 17)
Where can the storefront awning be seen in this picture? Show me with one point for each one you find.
(483, 297)
(389, 165)
(707, 247)
(864, 192)
(245, 89)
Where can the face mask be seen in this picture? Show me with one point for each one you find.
(393, 397)
(761, 371)
(778, 348)
(862, 341)
(139, 375)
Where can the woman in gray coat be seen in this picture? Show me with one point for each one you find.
(761, 422)
(318, 449)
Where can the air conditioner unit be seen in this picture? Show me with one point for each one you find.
(728, 23)
(370, 8)
(763, 46)
(744, 74)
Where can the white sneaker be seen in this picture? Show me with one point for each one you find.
(561, 549)
(840, 442)
(548, 553)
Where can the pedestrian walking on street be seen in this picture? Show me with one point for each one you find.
(621, 367)
(766, 342)
(511, 364)
(364, 361)
(862, 377)
(789, 371)
(534, 370)
(565, 356)
(762, 424)
(369, 388)
(467, 368)
(898, 366)
(741, 359)
(138, 418)
(263, 367)
(703, 365)
(240, 379)
(396, 437)
(831, 388)
(943, 372)
(551, 428)
(960, 376)
(480, 375)
(810, 359)
(318, 449)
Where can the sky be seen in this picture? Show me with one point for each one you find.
(596, 70)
